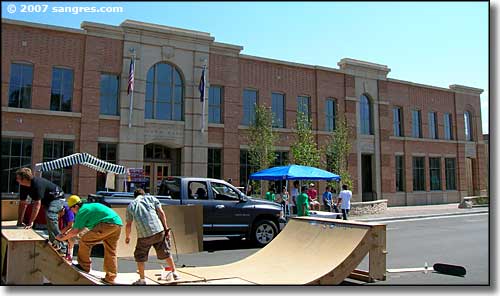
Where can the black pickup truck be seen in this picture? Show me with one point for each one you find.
(226, 210)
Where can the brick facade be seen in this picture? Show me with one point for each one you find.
(101, 48)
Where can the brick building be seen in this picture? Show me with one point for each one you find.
(65, 91)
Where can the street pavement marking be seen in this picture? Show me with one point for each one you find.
(411, 269)
(430, 218)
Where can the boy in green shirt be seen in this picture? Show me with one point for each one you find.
(104, 225)
(303, 203)
(270, 196)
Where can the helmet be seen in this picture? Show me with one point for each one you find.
(73, 200)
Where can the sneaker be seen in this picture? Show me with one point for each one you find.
(139, 282)
(107, 281)
(176, 276)
(79, 267)
(69, 258)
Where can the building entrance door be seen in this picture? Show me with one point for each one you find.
(156, 172)
(468, 176)
(367, 178)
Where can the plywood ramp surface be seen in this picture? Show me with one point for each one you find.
(186, 223)
(307, 251)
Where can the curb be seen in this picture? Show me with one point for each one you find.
(419, 216)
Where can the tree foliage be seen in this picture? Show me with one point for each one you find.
(261, 139)
(337, 153)
(305, 149)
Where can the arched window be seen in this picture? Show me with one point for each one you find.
(365, 109)
(468, 126)
(164, 93)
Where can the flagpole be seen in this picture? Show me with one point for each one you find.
(204, 99)
(132, 90)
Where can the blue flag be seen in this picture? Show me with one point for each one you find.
(201, 87)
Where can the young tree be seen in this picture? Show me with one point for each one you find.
(261, 139)
(305, 150)
(337, 152)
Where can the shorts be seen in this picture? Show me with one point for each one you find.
(158, 241)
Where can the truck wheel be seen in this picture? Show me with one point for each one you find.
(264, 231)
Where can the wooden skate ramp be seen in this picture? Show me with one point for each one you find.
(308, 251)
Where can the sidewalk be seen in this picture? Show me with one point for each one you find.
(409, 212)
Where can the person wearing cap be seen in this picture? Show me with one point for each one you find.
(66, 221)
(42, 192)
(313, 197)
(152, 231)
(104, 226)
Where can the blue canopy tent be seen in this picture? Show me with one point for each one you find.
(294, 172)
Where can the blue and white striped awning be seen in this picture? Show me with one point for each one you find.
(80, 158)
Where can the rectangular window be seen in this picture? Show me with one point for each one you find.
(435, 173)
(109, 94)
(215, 104)
(448, 127)
(278, 109)
(304, 106)
(416, 124)
(400, 173)
(331, 112)
(106, 152)
(450, 172)
(397, 122)
(214, 163)
(20, 86)
(418, 173)
(433, 126)
(62, 89)
(249, 104)
(246, 168)
(52, 150)
(16, 153)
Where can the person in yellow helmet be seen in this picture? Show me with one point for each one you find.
(104, 226)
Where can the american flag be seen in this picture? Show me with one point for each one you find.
(131, 77)
(201, 87)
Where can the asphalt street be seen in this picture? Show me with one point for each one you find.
(459, 240)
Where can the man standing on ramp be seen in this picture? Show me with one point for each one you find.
(152, 231)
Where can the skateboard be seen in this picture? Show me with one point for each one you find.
(63, 260)
(449, 269)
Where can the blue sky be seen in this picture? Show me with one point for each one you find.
(437, 44)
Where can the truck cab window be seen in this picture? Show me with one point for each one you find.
(197, 190)
(224, 192)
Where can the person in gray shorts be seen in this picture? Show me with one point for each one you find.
(152, 231)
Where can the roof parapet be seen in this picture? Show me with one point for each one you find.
(466, 89)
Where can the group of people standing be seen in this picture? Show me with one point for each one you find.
(95, 223)
(301, 201)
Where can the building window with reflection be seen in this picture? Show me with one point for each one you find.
(215, 104)
(61, 96)
(16, 153)
(366, 116)
(106, 152)
(249, 104)
(304, 106)
(109, 94)
(331, 114)
(468, 126)
(278, 110)
(214, 165)
(20, 85)
(164, 93)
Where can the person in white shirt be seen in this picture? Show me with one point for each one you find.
(345, 201)
(295, 192)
